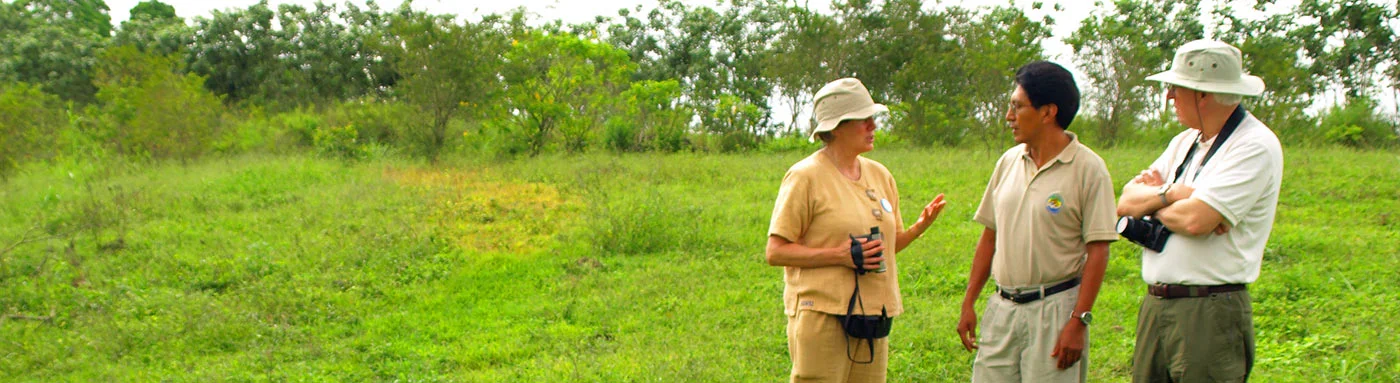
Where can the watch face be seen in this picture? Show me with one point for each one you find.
(1086, 317)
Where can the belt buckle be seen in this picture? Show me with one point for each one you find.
(1158, 290)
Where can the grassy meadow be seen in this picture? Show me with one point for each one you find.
(594, 268)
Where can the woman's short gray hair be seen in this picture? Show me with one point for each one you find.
(1229, 99)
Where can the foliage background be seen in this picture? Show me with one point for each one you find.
(355, 193)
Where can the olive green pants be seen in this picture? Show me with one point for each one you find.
(1205, 339)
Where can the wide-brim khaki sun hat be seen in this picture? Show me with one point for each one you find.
(1210, 66)
(840, 100)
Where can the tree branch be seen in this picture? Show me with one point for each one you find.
(27, 237)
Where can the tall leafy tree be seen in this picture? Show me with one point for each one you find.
(53, 44)
(153, 9)
(1349, 41)
(798, 64)
(91, 15)
(561, 86)
(713, 54)
(993, 46)
(1272, 54)
(29, 124)
(1122, 43)
(369, 27)
(448, 69)
(154, 28)
(321, 59)
(151, 109)
(237, 51)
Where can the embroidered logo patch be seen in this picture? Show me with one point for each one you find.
(1054, 203)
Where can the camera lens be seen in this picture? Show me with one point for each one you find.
(1123, 223)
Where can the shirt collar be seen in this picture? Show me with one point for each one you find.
(1066, 156)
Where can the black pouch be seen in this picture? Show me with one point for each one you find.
(863, 327)
(869, 327)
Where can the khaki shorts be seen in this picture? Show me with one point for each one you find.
(819, 346)
(1015, 341)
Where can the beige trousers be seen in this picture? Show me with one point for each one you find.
(1015, 341)
(818, 346)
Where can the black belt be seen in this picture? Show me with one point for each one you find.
(1166, 291)
(1037, 294)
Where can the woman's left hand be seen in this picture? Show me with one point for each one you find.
(930, 212)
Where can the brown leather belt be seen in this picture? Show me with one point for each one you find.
(1166, 291)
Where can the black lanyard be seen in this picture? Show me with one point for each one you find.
(1230, 124)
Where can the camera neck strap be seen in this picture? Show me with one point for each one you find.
(1231, 124)
(858, 259)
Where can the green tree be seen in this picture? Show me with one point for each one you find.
(948, 90)
(447, 69)
(52, 44)
(1348, 41)
(154, 28)
(154, 10)
(321, 58)
(710, 53)
(150, 109)
(1119, 45)
(1270, 53)
(653, 119)
(29, 121)
(561, 86)
(236, 51)
(798, 64)
(370, 28)
(90, 15)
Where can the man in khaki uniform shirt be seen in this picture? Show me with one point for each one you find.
(1049, 214)
(824, 199)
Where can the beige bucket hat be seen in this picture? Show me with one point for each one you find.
(840, 100)
(1210, 66)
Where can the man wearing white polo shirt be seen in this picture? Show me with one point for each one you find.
(1214, 191)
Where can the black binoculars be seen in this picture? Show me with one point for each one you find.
(858, 253)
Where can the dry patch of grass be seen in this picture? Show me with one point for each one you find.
(482, 212)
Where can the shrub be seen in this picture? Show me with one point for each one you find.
(301, 125)
(151, 110)
(620, 135)
(376, 121)
(925, 124)
(733, 124)
(1357, 125)
(29, 119)
(339, 142)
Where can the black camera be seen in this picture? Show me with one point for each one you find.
(1146, 232)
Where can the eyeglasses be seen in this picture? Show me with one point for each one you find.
(877, 212)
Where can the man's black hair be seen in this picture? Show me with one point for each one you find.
(1046, 83)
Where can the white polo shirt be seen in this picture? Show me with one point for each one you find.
(1242, 183)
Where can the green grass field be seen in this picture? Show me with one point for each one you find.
(593, 269)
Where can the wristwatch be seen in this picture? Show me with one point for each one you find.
(1086, 318)
(1162, 193)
